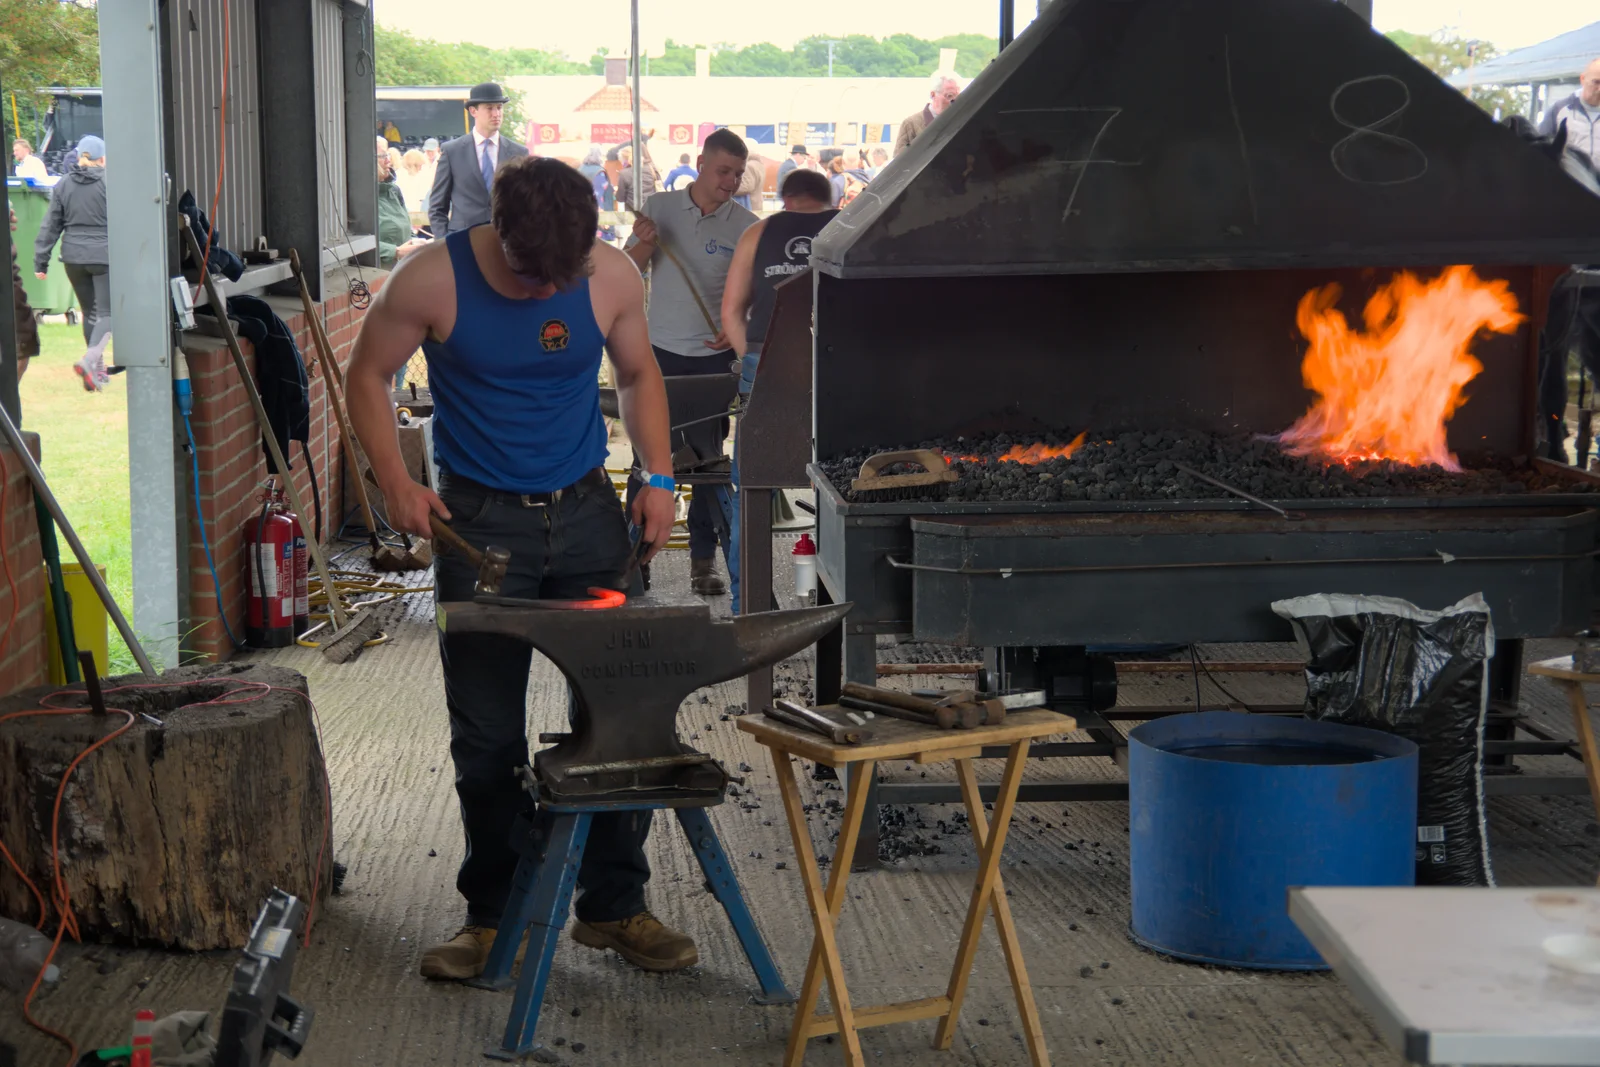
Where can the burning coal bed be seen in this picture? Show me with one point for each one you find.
(1142, 465)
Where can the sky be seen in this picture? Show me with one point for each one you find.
(578, 28)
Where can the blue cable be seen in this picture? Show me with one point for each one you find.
(186, 405)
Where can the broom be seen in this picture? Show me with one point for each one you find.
(349, 634)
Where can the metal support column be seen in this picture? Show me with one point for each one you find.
(360, 120)
(638, 144)
(1008, 22)
(138, 231)
(291, 154)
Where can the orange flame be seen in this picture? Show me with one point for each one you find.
(1030, 454)
(1386, 392)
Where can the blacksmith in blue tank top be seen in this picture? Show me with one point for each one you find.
(513, 317)
(769, 253)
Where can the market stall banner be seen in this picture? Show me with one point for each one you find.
(681, 133)
(544, 132)
(610, 132)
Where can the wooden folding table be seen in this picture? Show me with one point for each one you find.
(898, 739)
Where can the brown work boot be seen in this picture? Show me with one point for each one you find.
(464, 955)
(703, 578)
(641, 940)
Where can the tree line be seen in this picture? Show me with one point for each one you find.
(405, 59)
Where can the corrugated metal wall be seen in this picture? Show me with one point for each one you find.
(197, 34)
(331, 196)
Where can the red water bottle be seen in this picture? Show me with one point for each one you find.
(805, 567)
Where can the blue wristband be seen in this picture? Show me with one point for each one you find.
(661, 481)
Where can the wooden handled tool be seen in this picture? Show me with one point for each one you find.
(440, 529)
(928, 711)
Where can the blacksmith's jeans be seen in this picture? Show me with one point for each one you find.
(557, 551)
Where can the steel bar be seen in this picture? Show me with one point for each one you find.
(929, 668)
(14, 439)
(1235, 490)
(685, 759)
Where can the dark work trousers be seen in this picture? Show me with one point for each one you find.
(1573, 325)
(92, 283)
(557, 551)
(706, 437)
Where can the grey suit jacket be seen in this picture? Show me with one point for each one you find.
(459, 199)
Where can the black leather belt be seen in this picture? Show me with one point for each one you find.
(595, 479)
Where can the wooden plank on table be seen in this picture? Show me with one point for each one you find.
(898, 739)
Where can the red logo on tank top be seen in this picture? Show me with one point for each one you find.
(554, 335)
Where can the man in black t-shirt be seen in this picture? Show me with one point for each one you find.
(772, 251)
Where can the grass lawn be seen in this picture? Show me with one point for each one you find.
(84, 440)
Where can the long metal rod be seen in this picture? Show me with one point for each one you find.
(14, 439)
(1235, 490)
(638, 144)
(220, 307)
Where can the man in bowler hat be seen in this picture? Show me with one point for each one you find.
(461, 184)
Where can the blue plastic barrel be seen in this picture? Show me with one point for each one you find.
(1229, 810)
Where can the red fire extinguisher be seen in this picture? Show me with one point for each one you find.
(302, 601)
(269, 559)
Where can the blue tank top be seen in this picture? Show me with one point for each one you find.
(516, 388)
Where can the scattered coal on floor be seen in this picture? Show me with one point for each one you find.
(1141, 465)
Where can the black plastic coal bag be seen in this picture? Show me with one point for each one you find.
(1387, 664)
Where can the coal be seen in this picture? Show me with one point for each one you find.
(1143, 466)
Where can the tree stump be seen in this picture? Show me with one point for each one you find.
(170, 835)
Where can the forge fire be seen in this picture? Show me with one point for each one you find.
(1140, 465)
(1385, 391)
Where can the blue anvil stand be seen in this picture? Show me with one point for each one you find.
(541, 896)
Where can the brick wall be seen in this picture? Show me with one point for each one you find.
(23, 655)
(232, 466)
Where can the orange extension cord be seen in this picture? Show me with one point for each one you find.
(61, 898)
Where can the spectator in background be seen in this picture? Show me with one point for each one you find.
(799, 159)
(465, 177)
(649, 179)
(701, 225)
(27, 326)
(394, 219)
(395, 159)
(77, 218)
(682, 174)
(605, 196)
(430, 149)
(847, 181)
(943, 93)
(768, 253)
(594, 168)
(415, 184)
(752, 187)
(880, 159)
(1580, 113)
(28, 164)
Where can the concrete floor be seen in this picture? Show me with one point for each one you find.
(396, 827)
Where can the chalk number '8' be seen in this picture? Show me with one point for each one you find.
(1370, 154)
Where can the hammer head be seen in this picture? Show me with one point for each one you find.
(630, 669)
(492, 571)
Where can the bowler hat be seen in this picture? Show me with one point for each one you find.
(486, 93)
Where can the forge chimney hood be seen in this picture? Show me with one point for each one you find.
(1147, 135)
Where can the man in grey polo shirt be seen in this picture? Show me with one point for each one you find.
(701, 225)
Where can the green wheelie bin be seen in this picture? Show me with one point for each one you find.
(53, 294)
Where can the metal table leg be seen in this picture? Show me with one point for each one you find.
(719, 874)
